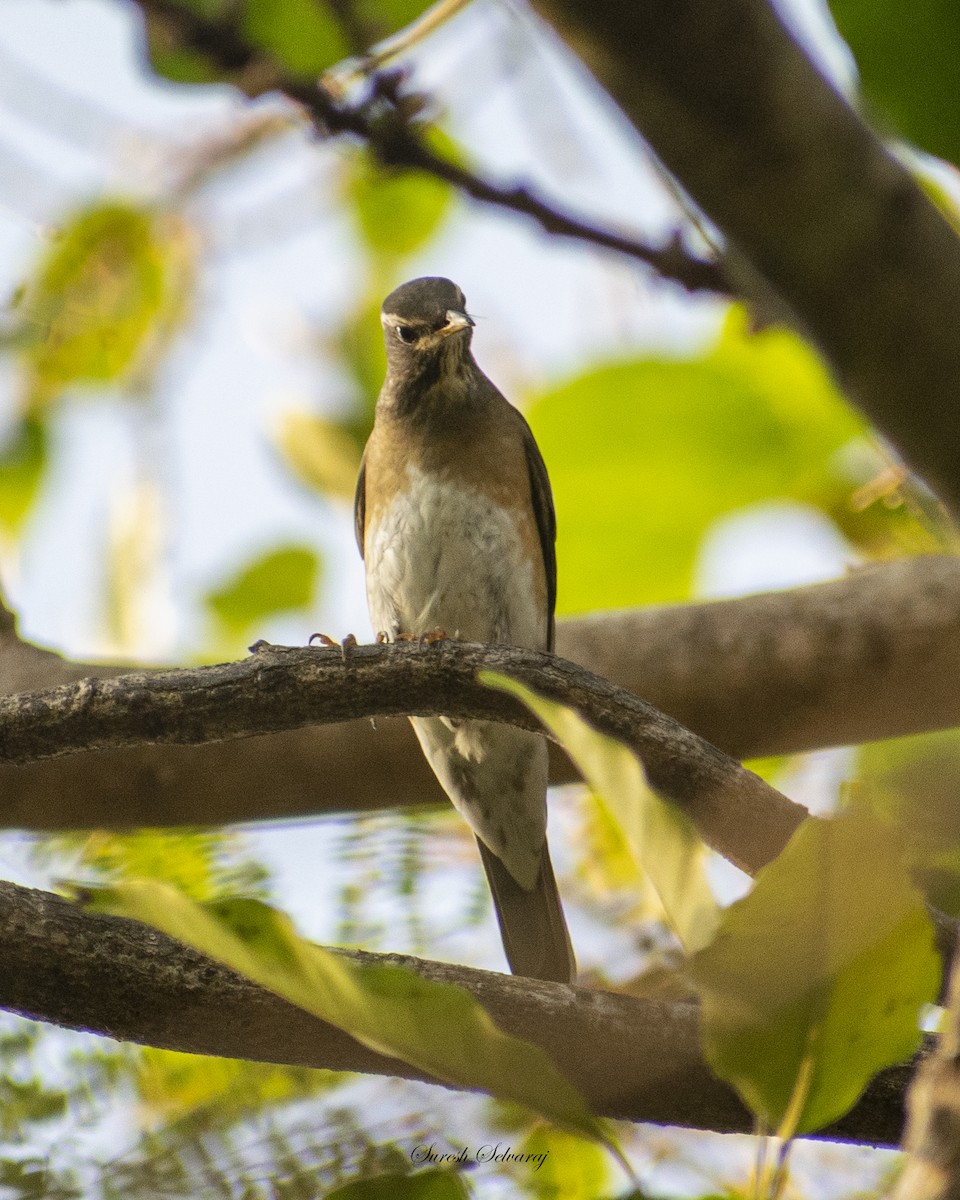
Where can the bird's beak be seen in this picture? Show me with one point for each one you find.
(457, 320)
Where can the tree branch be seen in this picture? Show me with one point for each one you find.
(380, 122)
(873, 655)
(282, 688)
(635, 1059)
(806, 192)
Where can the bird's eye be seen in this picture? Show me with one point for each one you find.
(407, 334)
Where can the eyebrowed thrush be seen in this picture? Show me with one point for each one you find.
(455, 522)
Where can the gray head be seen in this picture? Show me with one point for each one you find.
(426, 328)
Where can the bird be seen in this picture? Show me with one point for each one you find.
(456, 526)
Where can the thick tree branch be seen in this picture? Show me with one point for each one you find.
(873, 655)
(806, 192)
(395, 142)
(632, 1058)
(282, 688)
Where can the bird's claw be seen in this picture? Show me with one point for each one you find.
(434, 636)
(344, 646)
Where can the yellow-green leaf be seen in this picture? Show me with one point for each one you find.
(425, 1185)
(278, 581)
(914, 782)
(561, 1166)
(645, 455)
(437, 1027)
(105, 300)
(396, 211)
(323, 454)
(816, 979)
(907, 57)
(663, 840)
(23, 461)
(304, 35)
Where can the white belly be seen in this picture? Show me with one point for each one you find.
(441, 557)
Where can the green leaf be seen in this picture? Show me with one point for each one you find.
(437, 1027)
(425, 1185)
(323, 454)
(396, 211)
(816, 978)
(304, 35)
(383, 17)
(644, 455)
(663, 840)
(913, 782)
(23, 463)
(562, 1166)
(105, 300)
(278, 581)
(907, 56)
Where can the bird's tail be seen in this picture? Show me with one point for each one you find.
(532, 925)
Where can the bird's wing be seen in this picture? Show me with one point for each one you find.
(360, 503)
(546, 521)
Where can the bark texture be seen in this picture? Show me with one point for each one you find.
(280, 688)
(632, 1058)
(873, 655)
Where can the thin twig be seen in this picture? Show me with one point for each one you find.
(380, 122)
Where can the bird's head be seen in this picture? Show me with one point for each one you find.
(426, 329)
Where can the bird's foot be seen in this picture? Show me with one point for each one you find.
(434, 636)
(344, 646)
(422, 639)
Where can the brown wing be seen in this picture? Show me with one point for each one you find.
(546, 521)
(360, 503)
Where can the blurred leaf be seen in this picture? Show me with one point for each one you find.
(907, 58)
(359, 346)
(397, 211)
(383, 17)
(437, 1027)
(278, 581)
(816, 978)
(425, 1185)
(607, 864)
(107, 297)
(134, 566)
(305, 36)
(662, 839)
(171, 57)
(323, 454)
(204, 863)
(644, 455)
(914, 783)
(299, 37)
(175, 1086)
(570, 1169)
(23, 462)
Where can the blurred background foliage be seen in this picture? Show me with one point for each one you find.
(652, 444)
